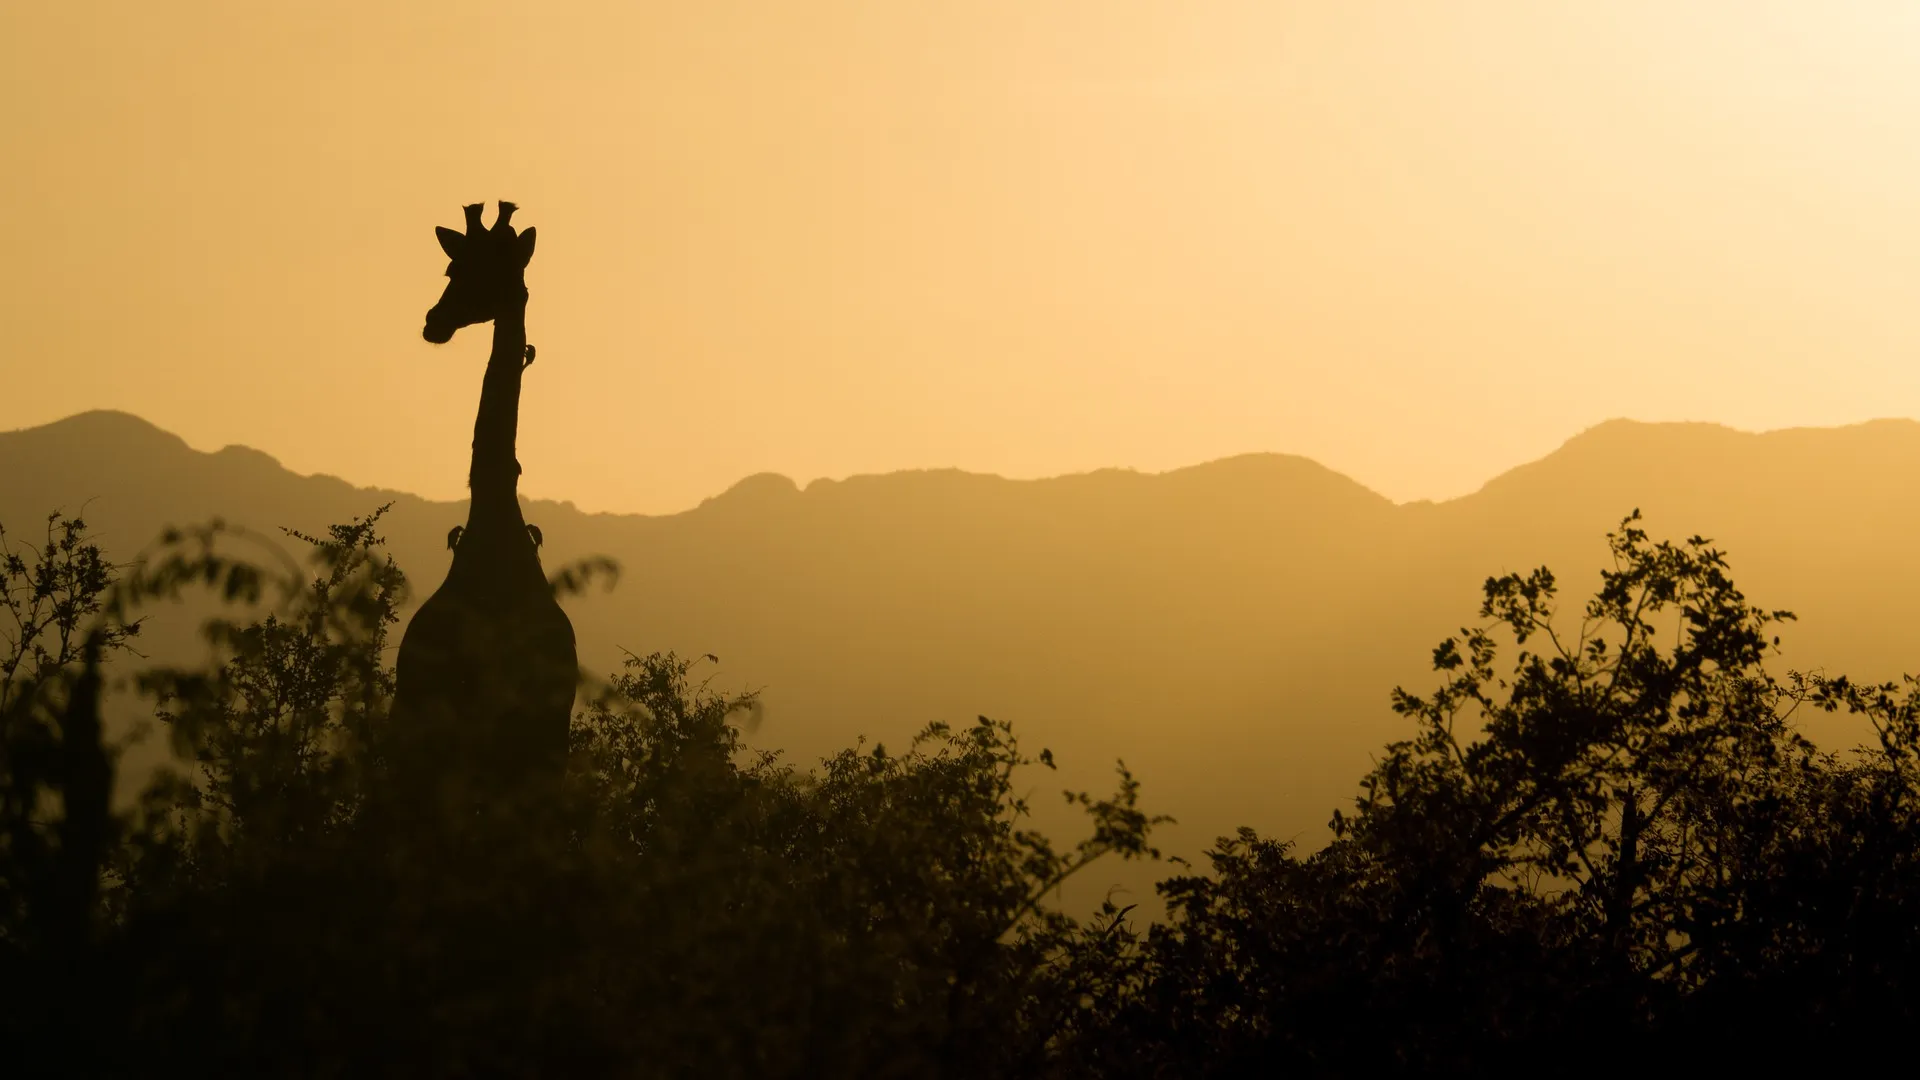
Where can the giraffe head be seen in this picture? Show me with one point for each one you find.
(487, 269)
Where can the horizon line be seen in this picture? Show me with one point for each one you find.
(810, 483)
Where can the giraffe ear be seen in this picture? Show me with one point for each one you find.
(450, 241)
(526, 247)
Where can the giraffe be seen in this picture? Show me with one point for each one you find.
(487, 667)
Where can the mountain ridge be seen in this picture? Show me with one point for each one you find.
(95, 422)
(1231, 629)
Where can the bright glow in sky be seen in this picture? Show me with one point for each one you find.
(1420, 243)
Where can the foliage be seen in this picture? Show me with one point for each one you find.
(283, 728)
(1610, 850)
(1619, 844)
(275, 910)
(54, 769)
(53, 593)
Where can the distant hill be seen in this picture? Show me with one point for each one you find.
(1231, 629)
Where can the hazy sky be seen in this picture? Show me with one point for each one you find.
(1419, 242)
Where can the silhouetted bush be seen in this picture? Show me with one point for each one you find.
(1612, 852)
(679, 906)
(1616, 854)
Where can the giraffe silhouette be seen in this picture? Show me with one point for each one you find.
(487, 667)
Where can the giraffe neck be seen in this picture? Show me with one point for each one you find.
(494, 477)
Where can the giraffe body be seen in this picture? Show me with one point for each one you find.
(487, 667)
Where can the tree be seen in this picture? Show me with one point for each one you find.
(56, 829)
(681, 903)
(1617, 843)
(1604, 845)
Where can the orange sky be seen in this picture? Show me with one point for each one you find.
(1419, 242)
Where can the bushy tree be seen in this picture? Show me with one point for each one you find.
(1611, 851)
(56, 832)
(1615, 849)
(681, 904)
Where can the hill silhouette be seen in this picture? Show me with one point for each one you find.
(1230, 629)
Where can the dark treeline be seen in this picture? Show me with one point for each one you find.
(1602, 847)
